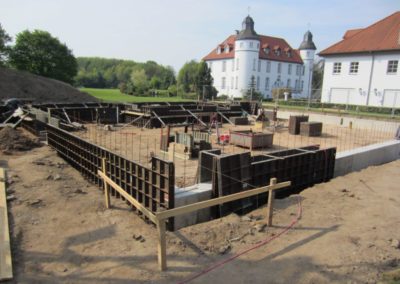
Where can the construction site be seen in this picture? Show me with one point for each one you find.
(107, 193)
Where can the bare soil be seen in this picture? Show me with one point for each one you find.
(24, 85)
(62, 233)
(13, 139)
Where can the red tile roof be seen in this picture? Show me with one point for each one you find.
(383, 35)
(265, 41)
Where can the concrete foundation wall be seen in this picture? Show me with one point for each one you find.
(361, 158)
(359, 123)
(189, 195)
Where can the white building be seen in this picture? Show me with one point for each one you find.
(271, 60)
(362, 68)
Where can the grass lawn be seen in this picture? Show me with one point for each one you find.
(114, 95)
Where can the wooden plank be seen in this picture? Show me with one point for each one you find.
(270, 206)
(216, 201)
(135, 113)
(132, 200)
(162, 247)
(106, 189)
(5, 249)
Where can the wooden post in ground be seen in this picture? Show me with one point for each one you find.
(106, 186)
(270, 207)
(162, 248)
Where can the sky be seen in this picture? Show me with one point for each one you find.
(172, 32)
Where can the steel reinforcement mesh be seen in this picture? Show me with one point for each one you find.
(153, 187)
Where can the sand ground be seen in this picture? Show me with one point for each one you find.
(62, 233)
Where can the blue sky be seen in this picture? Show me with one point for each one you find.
(172, 32)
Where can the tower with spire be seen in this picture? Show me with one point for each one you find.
(271, 61)
(307, 52)
(247, 46)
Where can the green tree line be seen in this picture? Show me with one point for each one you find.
(40, 53)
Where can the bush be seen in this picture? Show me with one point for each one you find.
(222, 97)
(189, 96)
(173, 91)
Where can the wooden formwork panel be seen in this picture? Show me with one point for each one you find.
(294, 123)
(153, 187)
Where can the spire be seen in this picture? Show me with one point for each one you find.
(247, 31)
(307, 42)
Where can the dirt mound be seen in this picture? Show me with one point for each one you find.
(12, 139)
(24, 85)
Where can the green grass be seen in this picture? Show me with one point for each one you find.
(114, 95)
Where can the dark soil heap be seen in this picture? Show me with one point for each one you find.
(24, 85)
(12, 139)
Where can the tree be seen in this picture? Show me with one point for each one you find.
(187, 76)
(40, 53)
(250, 93)
(139, 80)
(4, 49)
(204, 82)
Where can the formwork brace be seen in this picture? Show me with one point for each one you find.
(159, 218)
(227, 119)
(195, 116)
(162, 122)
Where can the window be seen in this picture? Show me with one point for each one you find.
(268, 66)
(258, 45)
(237, 64)
(337, 67)
(241, 44)
(353, 68)
(296, 85)
(236, 85)
(258, 82)
(267, 83)
(289, 71)
(279, 67)
(301, 85)
(254, 64)
(210, 65)
(251, 44)
(223, 66)
(298, 70)
(392, 66)
(288, 83)
(303, 69)
(259, 65)
(223, 83)
(232, 82)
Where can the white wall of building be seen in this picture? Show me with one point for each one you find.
(372, 85)
(251, 65)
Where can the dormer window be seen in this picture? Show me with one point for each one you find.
(266, 50)
(277, 50)
(227, 49)
(219, 50)
(288, 52)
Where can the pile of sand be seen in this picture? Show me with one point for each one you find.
(14, 140)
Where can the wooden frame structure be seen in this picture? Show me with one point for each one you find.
(160, 218)
(6, 272)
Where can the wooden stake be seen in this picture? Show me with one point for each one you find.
(271, 197)
(106, 186)
(162, 248)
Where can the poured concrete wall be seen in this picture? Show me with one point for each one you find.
(359, 123)
(363, 157)
(189, 195)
